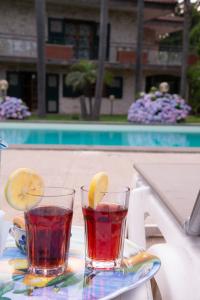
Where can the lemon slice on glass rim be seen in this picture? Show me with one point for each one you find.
(98, 186)
(24, 189)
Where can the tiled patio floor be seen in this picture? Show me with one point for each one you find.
(75, 168)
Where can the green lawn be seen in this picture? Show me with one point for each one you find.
(75, 118)
(103, 118)
(193, 119)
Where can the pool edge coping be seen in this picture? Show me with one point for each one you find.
(103, 127)
(104, 148)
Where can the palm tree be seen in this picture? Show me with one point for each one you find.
(186, 30)
(102, 57)
(41, 68)
(82, 78)
(139, 44)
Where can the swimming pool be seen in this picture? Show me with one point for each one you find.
(100, 135)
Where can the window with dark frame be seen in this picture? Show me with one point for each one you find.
(115, 89)
(15, 86)
(68, 91)
(56, 31)
(82, 35)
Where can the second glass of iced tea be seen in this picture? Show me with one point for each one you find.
(105, 229)
(48, 230)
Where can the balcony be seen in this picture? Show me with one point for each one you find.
(124, 55)
(151, 56)
(23, 48)
(164, 58)
(129, 56)
(59, 52)
(17, 47)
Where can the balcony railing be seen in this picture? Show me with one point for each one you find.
(17, 46)
(164, 58)
(59, 52)
(120, 53)
(126, 54)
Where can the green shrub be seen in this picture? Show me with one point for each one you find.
(194, 85)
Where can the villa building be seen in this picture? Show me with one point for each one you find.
(72, 33)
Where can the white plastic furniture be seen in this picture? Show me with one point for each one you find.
(153, 194)
(141, 293)
(4, 225)
(4, 228)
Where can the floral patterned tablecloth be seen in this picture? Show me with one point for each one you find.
(77, 283)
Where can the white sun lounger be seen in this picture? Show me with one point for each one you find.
(169, 193)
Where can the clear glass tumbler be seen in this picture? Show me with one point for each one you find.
(48, 230)
(105, 229)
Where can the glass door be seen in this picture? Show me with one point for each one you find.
(52, 93)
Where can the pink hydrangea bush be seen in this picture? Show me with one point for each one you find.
(13, 108)
(158, 108)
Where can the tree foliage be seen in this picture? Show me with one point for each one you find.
(82, 78)
(195, 30)
(175, 39)
(194, 71)
(194, 83)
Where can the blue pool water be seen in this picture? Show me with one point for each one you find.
(100, 135)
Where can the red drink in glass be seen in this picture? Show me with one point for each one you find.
(48, 234)
(105, 221)
(48, 229)
(104, 229)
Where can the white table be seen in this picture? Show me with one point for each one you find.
(155, 188)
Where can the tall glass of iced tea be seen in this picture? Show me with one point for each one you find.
(48, 229)
(105, 228)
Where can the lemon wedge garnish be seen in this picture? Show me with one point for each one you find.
(98, 186)
(24, 189)
(36, 280)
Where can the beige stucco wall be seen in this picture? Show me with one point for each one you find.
(17, 17)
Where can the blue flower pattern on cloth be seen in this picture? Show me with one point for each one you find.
(22, 243)
(19, 236)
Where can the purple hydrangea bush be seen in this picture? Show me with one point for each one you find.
(13, 108)
(158, 108)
